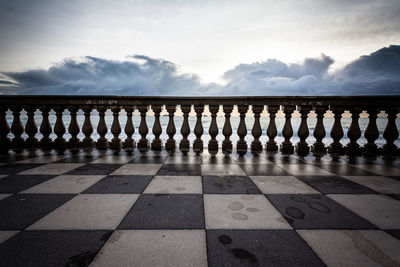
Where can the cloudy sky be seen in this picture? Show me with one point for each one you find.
(185, 47)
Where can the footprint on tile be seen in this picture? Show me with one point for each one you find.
(295, 213)
(180, 188)
(240, 216)
(247, 197)
(235, 206)
(252, 210)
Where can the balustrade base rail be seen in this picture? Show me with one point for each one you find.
(373, 105)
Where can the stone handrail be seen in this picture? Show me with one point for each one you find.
(288, 104)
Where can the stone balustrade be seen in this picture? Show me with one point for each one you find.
(373, 105)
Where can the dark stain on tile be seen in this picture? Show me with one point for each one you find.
(244, 255)
(224, 239)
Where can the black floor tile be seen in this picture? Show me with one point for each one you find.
(16, 183)
(52, 248)
(396, 196)
(120, 184)
(14, 168)
(19, 211)
(259, 248)
(251, 160)
(262, 169)
(180, 159)
(335, 185)
(149, 160)
(95, 169)
(13, 158)
(285, 160)
(165, 212)
(394, 232)
(180, 169)
(79, 158)
(395, 177)
(218, 159)
(229, 185)
(316, 212)
(345, 170)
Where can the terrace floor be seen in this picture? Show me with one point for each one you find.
(156, 209)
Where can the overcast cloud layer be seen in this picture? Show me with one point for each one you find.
(374, 74)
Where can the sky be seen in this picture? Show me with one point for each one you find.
(185, 47)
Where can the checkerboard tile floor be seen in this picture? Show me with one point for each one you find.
(156, 209)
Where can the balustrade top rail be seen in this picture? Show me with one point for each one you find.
(304, 104)
(348, 101)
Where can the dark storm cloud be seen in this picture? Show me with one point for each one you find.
(377, 73)
(100, 76)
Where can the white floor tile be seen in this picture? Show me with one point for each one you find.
(380, 169)
(241, 212)
(380, 184)
(65, 184)
(138, 169)
(303, 169)
(175, 185)
(154, 248)
(88, 211)
(113, 159)
(222, 169)
(282, 185)
(52, 169)
(381, 210)
(42, 159)
(353, 247)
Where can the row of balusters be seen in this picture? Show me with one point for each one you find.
(287, 147)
